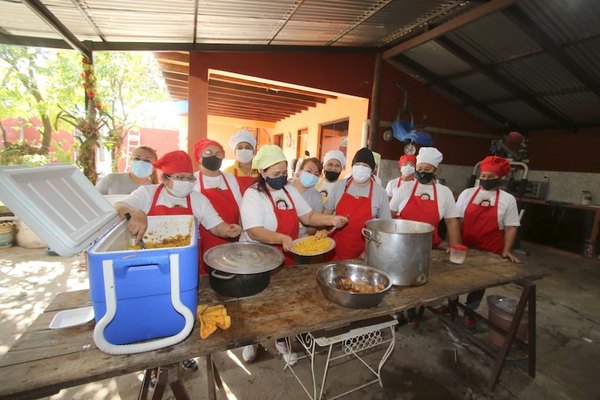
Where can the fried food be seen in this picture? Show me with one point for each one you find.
(211, 318)
(348, 285)
(311, 246)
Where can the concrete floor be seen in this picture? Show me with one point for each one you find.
(427, 363)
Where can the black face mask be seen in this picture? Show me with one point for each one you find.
(332, 176)
(212, 163)
(489, 184)
(424, 177)
(276, 183)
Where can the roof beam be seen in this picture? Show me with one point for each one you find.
(530, 28)
(179, 69)
(494, 76)
(175, 76)
(257, 101)
(42, 12)
(290, 13)
(269, 86)
(172, 57)
(488, 8)
(84, 9)
(176, 83)
(283, 95)
(448, 87)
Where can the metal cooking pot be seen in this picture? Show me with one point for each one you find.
(401, 248)
(241, 269)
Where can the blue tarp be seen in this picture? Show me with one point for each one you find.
(406, 131)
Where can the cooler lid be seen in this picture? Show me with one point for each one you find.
(59, 204)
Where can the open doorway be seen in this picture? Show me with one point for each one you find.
(333, 136)
(302, 143)
(278, 139)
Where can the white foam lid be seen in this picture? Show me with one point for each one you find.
(59, 204)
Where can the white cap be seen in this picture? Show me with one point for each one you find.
(430, 155)
(242, 136)
(335, 154)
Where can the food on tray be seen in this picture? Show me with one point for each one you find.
(311, 246)
(173, 241)
(211, 318)
(347, 285)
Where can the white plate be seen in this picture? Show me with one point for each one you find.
(74, 317)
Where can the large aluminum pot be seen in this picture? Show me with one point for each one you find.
(400, 248)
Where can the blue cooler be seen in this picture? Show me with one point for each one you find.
(143, 299)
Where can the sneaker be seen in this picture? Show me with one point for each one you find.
(282, 347)
(469, 321)
(249, 353)
(153, 377)
(190, 364)
(290, 358)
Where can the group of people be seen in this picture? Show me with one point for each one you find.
(255, 201)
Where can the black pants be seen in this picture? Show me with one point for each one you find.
(474, 299)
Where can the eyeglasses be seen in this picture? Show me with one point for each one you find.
(210, 153)
(184, 178)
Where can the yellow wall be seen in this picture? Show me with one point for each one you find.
(220, 129)
(352, 108)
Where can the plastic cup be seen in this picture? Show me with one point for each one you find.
(458, 253)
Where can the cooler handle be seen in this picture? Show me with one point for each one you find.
(370, 235)
(110, 294)
(121, 265)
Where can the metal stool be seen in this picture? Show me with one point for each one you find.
(353, 339)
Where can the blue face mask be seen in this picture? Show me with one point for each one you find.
(141, 169)
(277, 183)
(308, 180)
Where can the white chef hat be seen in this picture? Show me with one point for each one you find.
(335, 155)
(430, 155)
(242, 136)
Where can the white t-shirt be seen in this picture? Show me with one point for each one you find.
(324, 188)
(257, 210)
(204, 212)
(392, 187)
(118, 183)
(445, 201)
(508, 213)
(211, 182)
(379, 200)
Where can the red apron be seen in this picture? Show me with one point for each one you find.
(349, 241)
(423, 210)
(480, 226)
(287, 224)
(164, 210)
(243, 181)
(223, 201)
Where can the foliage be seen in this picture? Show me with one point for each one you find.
(45, 84)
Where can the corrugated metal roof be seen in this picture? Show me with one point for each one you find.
(583, 107)
(520, 113)
(587, 55)
(436, 59)
(481, 87)
(540, 74)
(564, 20)
(20, 20)
(492, 39)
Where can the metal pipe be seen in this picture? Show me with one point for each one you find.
(455, 132)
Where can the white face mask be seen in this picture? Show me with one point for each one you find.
(244, 155)
(361, 173)
(407, 170)
(182, 188)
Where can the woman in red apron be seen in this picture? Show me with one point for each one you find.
(243, 144)
(481, 227)
(223, 195)
(271, 211)
(406, 163)
(357, 203)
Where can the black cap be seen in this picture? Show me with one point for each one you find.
(364, 155)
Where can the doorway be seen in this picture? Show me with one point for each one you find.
(302, 143)
(278, 139)
(333, 136)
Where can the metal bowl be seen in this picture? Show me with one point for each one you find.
(324, 256)
(330, 275)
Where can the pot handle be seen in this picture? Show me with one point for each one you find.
(370, 235)
(216, 274)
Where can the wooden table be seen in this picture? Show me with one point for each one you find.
(44, 361)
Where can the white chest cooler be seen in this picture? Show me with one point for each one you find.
(143, 299)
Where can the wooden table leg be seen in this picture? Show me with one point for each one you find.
(143, 394)
(531, 341)
(512, 333)
(210, 378)
(179, 390)
(161, 384)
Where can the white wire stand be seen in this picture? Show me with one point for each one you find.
(350, 341)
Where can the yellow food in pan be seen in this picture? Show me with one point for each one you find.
(311, 246)
(174, 241)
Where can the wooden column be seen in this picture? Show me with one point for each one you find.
(198, 102)
(375, 103)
